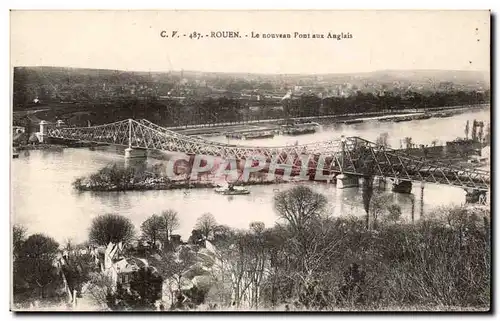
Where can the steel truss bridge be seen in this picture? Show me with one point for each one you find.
(349, 155)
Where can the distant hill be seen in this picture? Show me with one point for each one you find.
(85, 84)
(410, 75)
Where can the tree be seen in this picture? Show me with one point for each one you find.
(39, 246)
(480, 132)
(408, 142)
(366, 194)
(206, 225)
(77, 268)
(383, 140)
(487, 137)
(111, 228)
(299, 206)
(153, 229)
(379, 206)
(100, 288)
(467, 130)
(223, 234)
(170, 222)
(173, 266)
(474, 130)
(18, 238)
(257, 227)
(35, 269)
(394, 213)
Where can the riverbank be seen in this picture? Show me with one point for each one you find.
(272, 124)
(57, 146)
(54, 147)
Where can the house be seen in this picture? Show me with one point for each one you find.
(18, 129)
(123, 271)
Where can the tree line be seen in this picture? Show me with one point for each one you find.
(308, 261)
(193, 111)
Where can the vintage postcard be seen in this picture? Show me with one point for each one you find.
(250, 161)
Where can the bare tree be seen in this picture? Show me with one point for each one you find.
(408, 142)
(170, 222)
(153, 229)
(206, 224)
(474, 130)
(173, 266)
(379, 206)
(480, 133)
(111, 228)
(99, 287)
(299, 206)
(383, 140)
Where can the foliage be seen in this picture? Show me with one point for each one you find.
(394, 213)
(99, 288)
(112, 228)
(307, 261)
(35, 272)
(117, 178)
(383, 140)
(153, 230)
(145, 290)
(18, 238)
(380, 205)
(77, 269)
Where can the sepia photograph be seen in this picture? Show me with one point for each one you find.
(251, 160)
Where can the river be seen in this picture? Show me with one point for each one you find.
(44, 201)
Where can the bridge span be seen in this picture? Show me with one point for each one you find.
(345, 157)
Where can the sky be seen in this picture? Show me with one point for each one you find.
(130, 40)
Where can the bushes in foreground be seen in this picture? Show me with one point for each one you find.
(310, 261)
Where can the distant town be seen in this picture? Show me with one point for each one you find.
(81, 97)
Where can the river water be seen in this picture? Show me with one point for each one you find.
(44, 201)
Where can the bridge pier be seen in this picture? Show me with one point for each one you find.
(136, 153)
(346, 181)
(402, 187)
(474, 196)
(42, 134)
